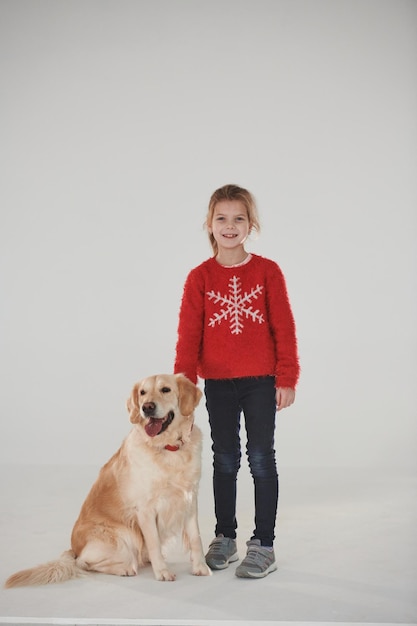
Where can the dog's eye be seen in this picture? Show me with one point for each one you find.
(142, 392)
(165, 390)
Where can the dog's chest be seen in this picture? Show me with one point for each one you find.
(162, 485)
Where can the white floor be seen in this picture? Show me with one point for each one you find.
(346, 549)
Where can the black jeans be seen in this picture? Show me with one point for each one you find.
(225, 401)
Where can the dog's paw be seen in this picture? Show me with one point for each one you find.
(201, 569)
(164, 574)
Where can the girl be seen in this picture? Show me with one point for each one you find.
(236, 330)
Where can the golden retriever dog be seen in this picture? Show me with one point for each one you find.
(144, 495)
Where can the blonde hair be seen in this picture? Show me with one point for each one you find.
(232, 192)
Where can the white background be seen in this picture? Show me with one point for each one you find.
(118, 120)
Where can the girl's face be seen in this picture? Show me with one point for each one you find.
(230, 225)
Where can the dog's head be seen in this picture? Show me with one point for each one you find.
(158, 401)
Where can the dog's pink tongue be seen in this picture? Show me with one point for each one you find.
(153, 427)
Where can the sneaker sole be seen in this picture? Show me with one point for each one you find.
(232, 559)
(248, 574)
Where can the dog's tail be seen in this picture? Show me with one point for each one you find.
(57, 571)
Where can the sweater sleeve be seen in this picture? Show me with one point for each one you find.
(190, 327)
(283, 330)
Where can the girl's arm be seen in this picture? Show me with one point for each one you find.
(283, 329)
(190, 328)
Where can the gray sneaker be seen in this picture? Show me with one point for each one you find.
(221, 552)
(258, 561)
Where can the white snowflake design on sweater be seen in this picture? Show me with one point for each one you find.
(236, 306)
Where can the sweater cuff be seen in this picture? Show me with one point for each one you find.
(191, 377)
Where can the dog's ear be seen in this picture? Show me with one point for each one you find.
(132, 404)
(189, 395)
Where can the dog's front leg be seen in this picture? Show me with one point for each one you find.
(148, 526)
(199, 566)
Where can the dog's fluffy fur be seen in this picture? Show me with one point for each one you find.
(144, 495)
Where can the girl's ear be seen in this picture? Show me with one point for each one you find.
(132, 404)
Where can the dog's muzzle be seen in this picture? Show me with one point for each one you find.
(156, 425)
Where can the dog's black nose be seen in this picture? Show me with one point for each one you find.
(149, 408)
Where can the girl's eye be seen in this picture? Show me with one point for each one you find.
(165, 389)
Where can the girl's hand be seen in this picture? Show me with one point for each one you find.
(284, 397)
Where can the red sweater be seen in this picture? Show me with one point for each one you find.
(236, 322)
